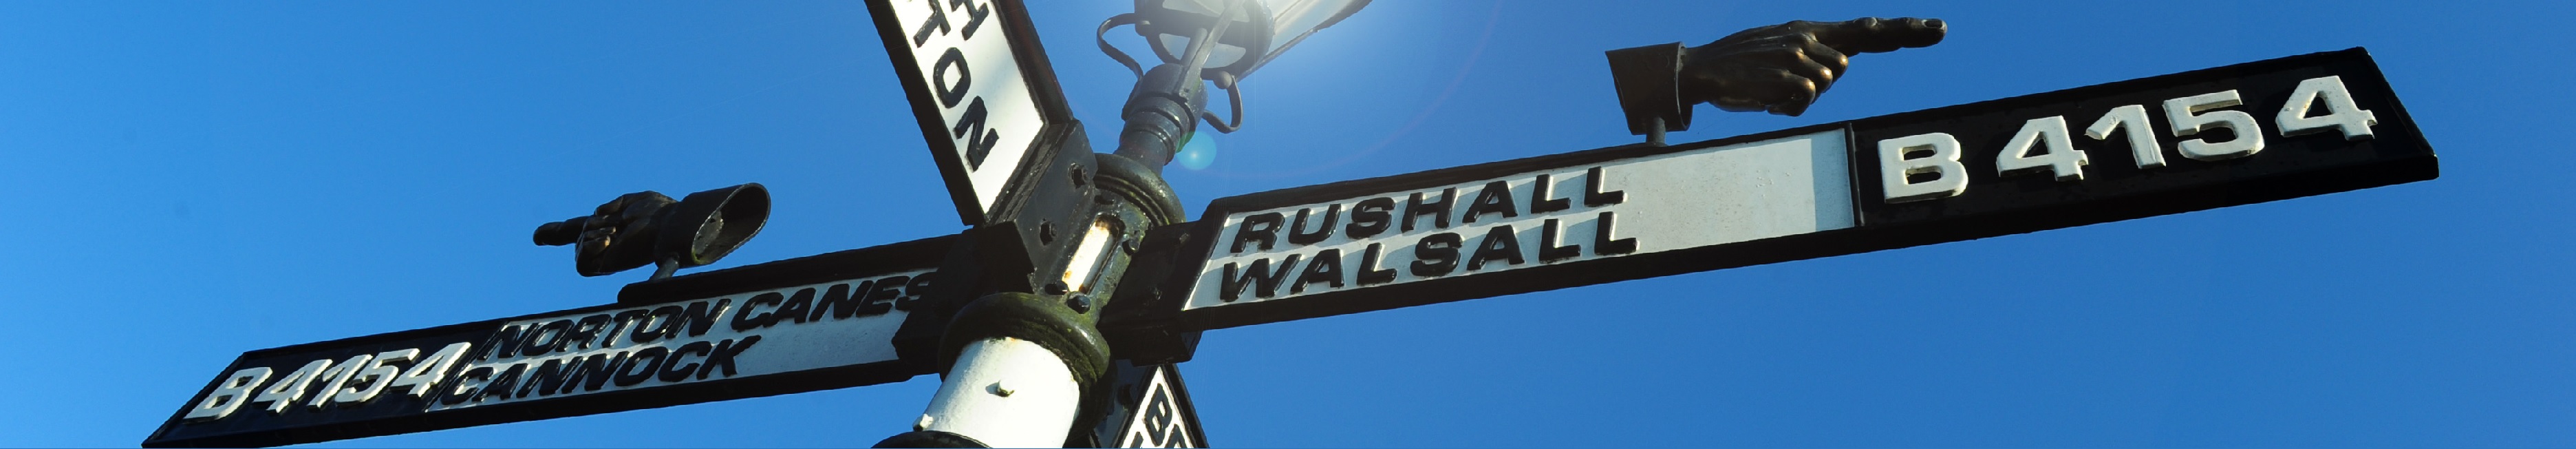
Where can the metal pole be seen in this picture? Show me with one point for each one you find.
(1006, 392)
(1024, 362)
(1028, 366)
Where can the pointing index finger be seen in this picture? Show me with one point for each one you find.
(1875, 35)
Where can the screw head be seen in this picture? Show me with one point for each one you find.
(1080, 303)
(1057, 288)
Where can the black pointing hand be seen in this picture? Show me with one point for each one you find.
(1783, 68)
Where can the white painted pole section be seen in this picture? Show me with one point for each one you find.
(1006, 392)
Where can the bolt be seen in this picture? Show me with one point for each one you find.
(1128, 245)
(1078, 178)
(999, 390)
(924, 422)
(1081, 303)
(1057, 288)
(1046, 233)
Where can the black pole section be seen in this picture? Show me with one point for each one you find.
(1161, 114)
(1163, 110)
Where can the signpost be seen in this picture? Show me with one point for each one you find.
(806, 324)
(984, 92)
(2296, 126)
(1072, 253)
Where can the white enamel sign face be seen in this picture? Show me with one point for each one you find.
(986, 115)
(1710, 196)
(760, 333)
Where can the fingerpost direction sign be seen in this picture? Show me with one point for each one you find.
(791, 326)
(2241, 134)
(983, 91)
(2247, 133)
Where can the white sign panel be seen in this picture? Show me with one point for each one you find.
(1696, 198)
(759, 333)
(971, 91)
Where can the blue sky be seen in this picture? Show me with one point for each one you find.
(185, 181)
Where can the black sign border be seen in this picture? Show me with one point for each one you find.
(2396, 127)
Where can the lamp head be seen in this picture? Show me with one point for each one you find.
(1261, 30)
(1168, 26)
(1214, 40)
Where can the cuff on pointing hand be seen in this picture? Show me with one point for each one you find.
(1648, 80)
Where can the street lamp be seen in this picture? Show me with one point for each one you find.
(1194, 44)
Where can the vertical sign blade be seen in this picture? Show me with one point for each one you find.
(981, 87)
(1149, 407)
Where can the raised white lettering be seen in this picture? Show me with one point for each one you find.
(340, 376)
(228, 395)
(429, 370)
(2061, 160)
(2341, 113)
(2131, 120)
(2192, 115)
(372, 381)
(283, 392)
(1896, 171)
